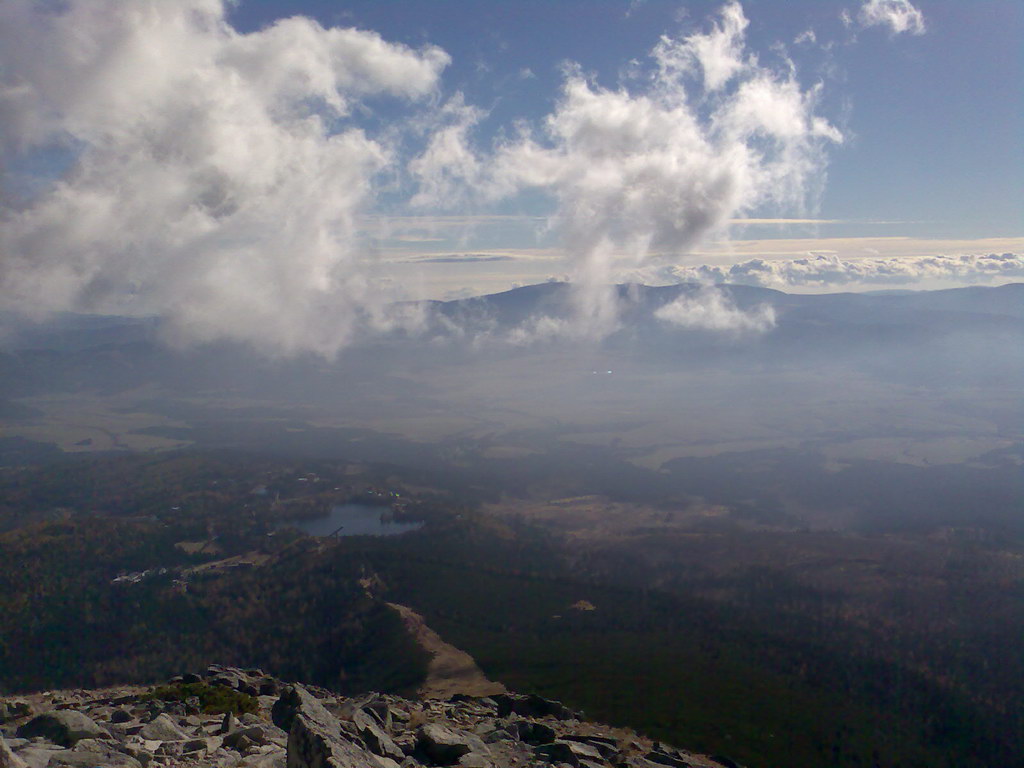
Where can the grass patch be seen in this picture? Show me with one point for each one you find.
(213, 699)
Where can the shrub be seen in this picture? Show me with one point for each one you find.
(213, 699)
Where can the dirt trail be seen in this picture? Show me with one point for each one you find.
(450, 670)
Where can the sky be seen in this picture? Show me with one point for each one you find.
(284, 171)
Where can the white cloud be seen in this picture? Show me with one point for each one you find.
(718, 55)
(709, 309)
(448, 169)
(214, 177)
(711, 134)
(898, 15)
(826, 270)
(807, 36)
(219, 179)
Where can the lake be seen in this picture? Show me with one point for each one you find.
(355, 520)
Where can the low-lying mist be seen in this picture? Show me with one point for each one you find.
(793, 409)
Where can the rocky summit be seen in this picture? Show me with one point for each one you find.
(232, 717)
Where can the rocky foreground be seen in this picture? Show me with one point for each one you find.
(306, 727)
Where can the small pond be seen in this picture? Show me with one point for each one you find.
(355, 520)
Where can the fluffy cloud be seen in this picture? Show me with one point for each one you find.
(218, 179)
(898, 15)
(711, 310)
(822, 271)
(211, 177)
(707, 134)
(448, 169)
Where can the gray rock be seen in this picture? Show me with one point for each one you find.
(398, 715)
(226, 679)
(557, 752)
(239, 742)
(532, 706)
(534, 733)
(664, 758)
(12, 710)
(120, 716)
(274, 759)
(171, 748)
(606, 746)
(64, 727)
(163, 728)
(444, 746)
(7, 758)
(195, 745)
(109, 758)
(374, 737)
(247, 688)
(261, 734)
(498, 734)
(314, 735)
(38, 755)
(91, 745)
(571, 752)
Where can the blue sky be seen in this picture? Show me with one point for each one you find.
(281, 172)
(934, 120)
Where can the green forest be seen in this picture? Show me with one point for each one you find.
(769, 677)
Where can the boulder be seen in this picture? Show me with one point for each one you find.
(7, 758)
(534, 733)
(239, 742)
(163, 728)
(475, 760)
(532, 706)
(8, 711)
(196, 745)
(274, 759)
(120, 715)
(606, 746)
(314, 735)
(444, 746)
(665, 758)
(571, 752)
(261, 734)
(64, 727)
(38, 755)
(228, 723)
(171, 748)
(108, 758)
(374, 737)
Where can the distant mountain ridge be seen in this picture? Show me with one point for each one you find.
(996, 306)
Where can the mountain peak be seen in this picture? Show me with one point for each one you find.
(229, 717)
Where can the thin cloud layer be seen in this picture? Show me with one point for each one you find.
(824, 271)
(707, 134)
(898, 15)
(213, 178)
